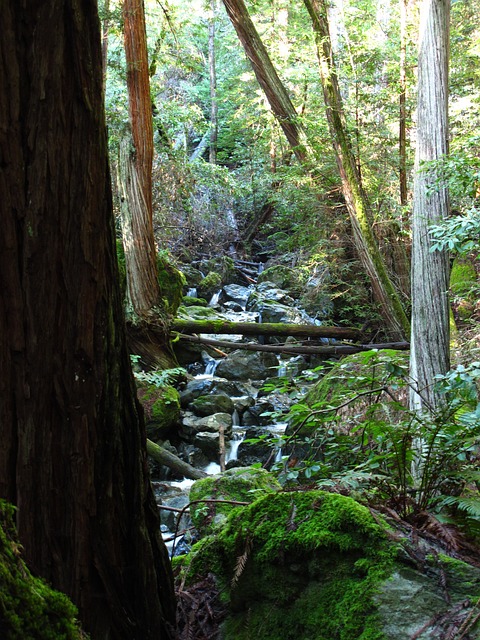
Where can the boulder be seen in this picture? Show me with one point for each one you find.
(162, 409)
(212, 403)
(236, 485)
(316, 565)
(245, 365)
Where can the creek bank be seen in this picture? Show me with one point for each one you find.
(311, 564)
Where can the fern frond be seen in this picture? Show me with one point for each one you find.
(241, 562)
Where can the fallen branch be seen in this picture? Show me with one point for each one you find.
(295, 349)
(170, 460)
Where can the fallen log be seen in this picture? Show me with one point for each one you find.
(170, 460)
(296, 349)
(264, 329)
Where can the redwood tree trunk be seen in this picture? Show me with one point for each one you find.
(73, 455)
(355, 197)
(213, 84)
(268, 78)
(137, 160)
(430, 337)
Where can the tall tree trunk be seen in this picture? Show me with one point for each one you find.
(105, 27)
(213, 84)
(268, 78)
(402, 128)
(137, 160)
(355, 197)
(430, 270)
(73, 456)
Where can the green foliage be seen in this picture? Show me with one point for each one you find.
(160, 378)
(29, 608)
(354, 433)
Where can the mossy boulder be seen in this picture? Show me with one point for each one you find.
(237, 485)
(210, 284)
(29, 608)
(349, 379)
(190, 301)
(162, 409)
(283, 277)
(213, 403)
(196, 312)
(319, 566)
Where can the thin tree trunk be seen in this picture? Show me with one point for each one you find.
(430, 349)
(136, 159)
(268, 78)
(73, 456)
(170, 460)
(402, 129)
(355, 198)
(105, 27)
(213, 84)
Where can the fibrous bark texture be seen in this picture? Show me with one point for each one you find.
(136, 166)
(73, 454)
(430, 271)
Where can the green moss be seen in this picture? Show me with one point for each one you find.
(353, 372)
(29, 608)
(190, 301)
(210, 284)
(299, 566)
(238, 484)
(463, 580)
(162, 409)
(463, 279)
(122, 269)
(284, 277)
(171, 282)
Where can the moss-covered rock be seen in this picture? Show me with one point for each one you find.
(283, 277)
(162, 409)
(213, 403)
(319, 566)
(299, 566)
(210, 284)
(190, 301)
(29, 608)
(239, 485)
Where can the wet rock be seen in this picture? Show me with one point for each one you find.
(205, 386)
(192, 425)
(252, 453)
(237, 293)
(213, 403)
(242, 365)
(208, 443)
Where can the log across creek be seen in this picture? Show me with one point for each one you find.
(188, 330)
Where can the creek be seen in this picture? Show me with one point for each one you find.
(225, 393)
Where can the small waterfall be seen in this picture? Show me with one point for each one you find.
(232, 448)
(214, 299)
(211, 367)
(192, 292)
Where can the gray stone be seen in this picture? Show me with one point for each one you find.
(242, 365)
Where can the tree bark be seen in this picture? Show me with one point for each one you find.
(263, 328)
(402, 125)
(136, 158)
(213, 84)
(355, 197)
(73, 457)
(268, 79)
(430, 338)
